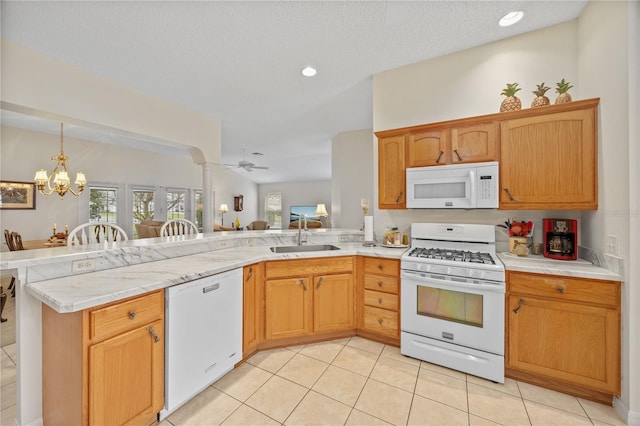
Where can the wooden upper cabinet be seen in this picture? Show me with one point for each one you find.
(476, 143)
(550, 161)
(428, 148)
(391, 173)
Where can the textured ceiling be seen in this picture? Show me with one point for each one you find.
(240, 61)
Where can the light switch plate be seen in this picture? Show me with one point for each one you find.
(86, 265)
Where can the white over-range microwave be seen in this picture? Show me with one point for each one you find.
(456, 186)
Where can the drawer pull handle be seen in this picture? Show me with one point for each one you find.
(320, 281)
(211, 288)
(304, 286)
(250, 274)
(132, 315)
(380, 284)
(457, 155)
(509, 194)
(380, 300)
(150, 329)
(380, 321)
(560, 290)
(399, 197)
(517, 308)
(439, 156)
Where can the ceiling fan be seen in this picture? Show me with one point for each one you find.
(247, 165)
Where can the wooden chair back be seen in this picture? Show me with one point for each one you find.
(13, 240)
(178, 227)
(96, 233)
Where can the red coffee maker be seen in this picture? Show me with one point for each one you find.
(560, 238)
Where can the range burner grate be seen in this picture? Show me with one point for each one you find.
(453, 255)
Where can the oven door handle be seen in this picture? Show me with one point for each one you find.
(429, 278)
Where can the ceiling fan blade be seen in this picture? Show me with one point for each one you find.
(260, 167)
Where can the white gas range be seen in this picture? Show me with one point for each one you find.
(452, 298)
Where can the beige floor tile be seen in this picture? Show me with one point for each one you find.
(356, 360)
(7, 396)
(601, 412)
(358, 418)
(496, 406)
(303, 370)
(243, 381)
(271, 360)
(343, 341)
(341, 385)
(442, 388)
(277, 398)
(323, 351)
(551, 398)
(7, 369)
(366, 345)
(165, 422)
(427, 412)
(385, 402)
(394, 353)
(509, 386)
(8, 415)
(11, 351)
(542, 415)
(318, 409)
(479, 421)
(210, 407)
(395, 373)
(296, 349)
(246, 415)
(443, 370)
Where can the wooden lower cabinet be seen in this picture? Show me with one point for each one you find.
(104, 365)
(308, 296)
(379, 299)
(252, 308)
(564, 333)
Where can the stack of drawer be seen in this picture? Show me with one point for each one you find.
(381, 296)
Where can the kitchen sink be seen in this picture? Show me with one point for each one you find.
(294, 249)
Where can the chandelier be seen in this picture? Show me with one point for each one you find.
(61, 182)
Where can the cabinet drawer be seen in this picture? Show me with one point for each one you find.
(565, 288)
(381, 300)
(381, 321)
(381, 283)
(127, 315)
(375, 265)
(288, 268)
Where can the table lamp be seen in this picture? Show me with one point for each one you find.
(223, 209)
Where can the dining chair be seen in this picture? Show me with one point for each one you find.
(95, 233)
(258, 225)
(14, 242)
(178, 227)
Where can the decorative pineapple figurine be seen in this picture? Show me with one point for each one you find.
(512, 102)
(237, 222)
(563, 88)
(540, 99)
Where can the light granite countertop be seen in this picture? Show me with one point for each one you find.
(78, 292)
(541, 265)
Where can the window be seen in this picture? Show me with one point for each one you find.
(143, 207)
(273, 209)
(103, 205)
(175, 204)
(197, 202)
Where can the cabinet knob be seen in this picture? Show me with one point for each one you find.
(560, 289)
(380, 283)
(380, 300)
(150, 329)
(132, 315)
(380, 321)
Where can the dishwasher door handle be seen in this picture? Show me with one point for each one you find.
(211, 288)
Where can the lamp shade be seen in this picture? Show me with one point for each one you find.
(321, 210)
(223, 208)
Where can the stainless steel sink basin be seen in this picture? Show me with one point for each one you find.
(303, 248)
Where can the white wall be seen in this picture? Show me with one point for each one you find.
(351, 177)
(227, 184)
(296, 194)
(608, 68)
(24, 151)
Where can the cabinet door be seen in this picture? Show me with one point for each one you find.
(333, 307)
(428, 149)
(251, 330)
(391, 173)
(574, 343)
(288, 307)
(549, 162)
(476, 143)
(126, 377)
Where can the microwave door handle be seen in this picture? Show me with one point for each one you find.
(472, 179)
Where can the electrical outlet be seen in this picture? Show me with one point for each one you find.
(87, 265)
(343, 238)
(612, 244)
(222, 244)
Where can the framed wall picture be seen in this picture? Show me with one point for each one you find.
(17, 195)
(237, 203)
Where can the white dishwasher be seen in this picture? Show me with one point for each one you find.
(203, 335)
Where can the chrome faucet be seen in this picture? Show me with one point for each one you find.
(303, 217)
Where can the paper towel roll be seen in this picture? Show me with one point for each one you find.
(368, 228)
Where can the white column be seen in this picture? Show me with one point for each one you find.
(208, 211)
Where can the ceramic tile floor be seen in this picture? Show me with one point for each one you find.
(353, 382)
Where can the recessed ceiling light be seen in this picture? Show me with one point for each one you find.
(511, 18)
(309, 71)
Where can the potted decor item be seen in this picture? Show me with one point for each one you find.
(511, 102)
(540, 99)
(518, 233)
(563, 92)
